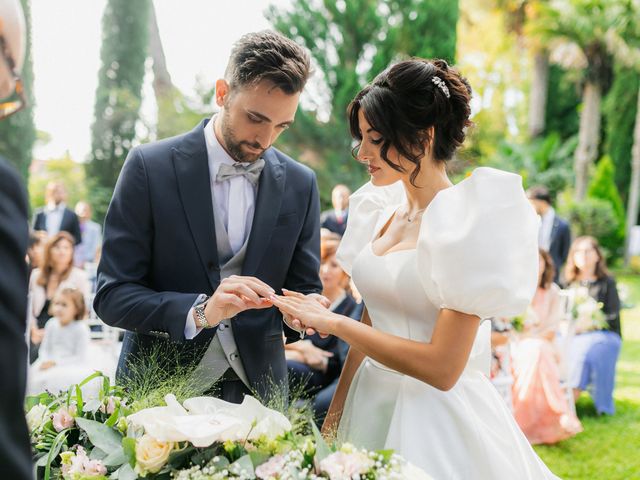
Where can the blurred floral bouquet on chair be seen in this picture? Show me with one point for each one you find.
(586, 312)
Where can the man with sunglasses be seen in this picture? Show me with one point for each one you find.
(15, 457)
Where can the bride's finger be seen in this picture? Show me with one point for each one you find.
(291, 293)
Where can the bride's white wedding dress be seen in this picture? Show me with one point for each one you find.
(477, 254)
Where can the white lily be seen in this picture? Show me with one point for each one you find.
(205, 420)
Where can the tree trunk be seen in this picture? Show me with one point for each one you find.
(634, 187)
(161, 78)
(538, 95)
(589, 136)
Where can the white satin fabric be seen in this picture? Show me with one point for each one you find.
(477, 254)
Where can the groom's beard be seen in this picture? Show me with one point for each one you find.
(234, 146)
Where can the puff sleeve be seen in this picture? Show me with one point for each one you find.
(478, 246)
(369, 207)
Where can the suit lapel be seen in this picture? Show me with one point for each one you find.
(554, 230)
(268, 201)
(191, 166)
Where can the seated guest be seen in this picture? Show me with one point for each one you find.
(35, 251)
(539, 404)
(595, 347)
(335, 220)
(57, 271)
(63, 353)
(316, 362)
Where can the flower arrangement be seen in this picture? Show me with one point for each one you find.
(586, 312)
(199, 438)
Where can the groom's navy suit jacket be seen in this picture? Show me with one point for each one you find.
(160, 253)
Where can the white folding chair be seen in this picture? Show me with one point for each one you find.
(563, 342)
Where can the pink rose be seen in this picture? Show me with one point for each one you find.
(63, 418)
(341, 465)
(80, 465)
(94, 468)
(271, 468)
(110, 406)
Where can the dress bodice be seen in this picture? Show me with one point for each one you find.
(392, 291)
(476, 253)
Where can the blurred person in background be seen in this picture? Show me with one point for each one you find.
(539, 403)
(55, 217)
(35, 251)
(335, 220)
(554, 235)
(87, 250)
(57, 272)
(316, 362)
(595, 347)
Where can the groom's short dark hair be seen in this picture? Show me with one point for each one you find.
(268, 55)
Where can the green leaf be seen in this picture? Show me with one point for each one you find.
(53, 453)
(97, 454)
(80, 403)
(180, 458)
(113, 419)
(100, 435)
(129, 447)
(322, 449)
(258, 458)
(115, 458)
(125, 472)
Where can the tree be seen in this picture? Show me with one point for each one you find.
(619, 123)
(18, 132)
(578, 32)
(350, 42)
(118, 96)
(603, 187)
(634, 189)
(65, 170)
(518, 14)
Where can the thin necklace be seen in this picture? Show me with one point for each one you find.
(411, 218)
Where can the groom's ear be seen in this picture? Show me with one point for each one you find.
(222, 92)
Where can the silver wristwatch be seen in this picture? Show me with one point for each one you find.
(198, 312)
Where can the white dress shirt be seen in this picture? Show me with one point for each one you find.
(234, 199)
(53, 217)
(546, 226)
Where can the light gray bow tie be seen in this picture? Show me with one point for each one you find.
(250, 171)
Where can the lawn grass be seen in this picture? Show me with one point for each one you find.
(609, 447)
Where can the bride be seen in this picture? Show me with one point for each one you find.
(431, 260)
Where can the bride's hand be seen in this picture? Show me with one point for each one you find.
(295, 323)
(307, 310)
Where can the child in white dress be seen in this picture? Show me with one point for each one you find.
(63, 353)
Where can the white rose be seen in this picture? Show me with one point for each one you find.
(36, 416)
(151, 455)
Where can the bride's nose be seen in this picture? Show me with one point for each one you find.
(364, 153)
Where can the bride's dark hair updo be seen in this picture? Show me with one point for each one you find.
(405, 101)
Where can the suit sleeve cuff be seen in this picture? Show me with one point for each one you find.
(191, 330)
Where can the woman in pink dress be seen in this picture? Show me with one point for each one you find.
(540, 406)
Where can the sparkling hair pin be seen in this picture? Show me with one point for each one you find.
(441, 85)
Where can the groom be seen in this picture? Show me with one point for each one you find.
(204, 226)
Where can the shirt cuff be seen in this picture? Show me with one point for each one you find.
(191, 330)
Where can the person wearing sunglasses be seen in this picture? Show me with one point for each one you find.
(15, 458)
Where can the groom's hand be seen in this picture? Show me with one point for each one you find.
(236, 294)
